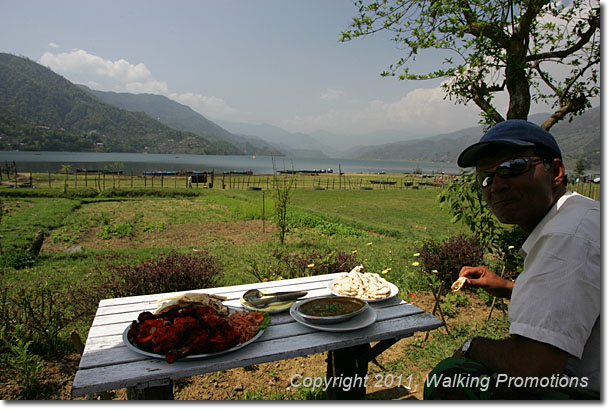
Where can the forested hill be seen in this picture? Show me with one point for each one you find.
(183, 118)
(43, 111)
(580, 138)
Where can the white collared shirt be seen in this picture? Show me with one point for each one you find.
(557, 297)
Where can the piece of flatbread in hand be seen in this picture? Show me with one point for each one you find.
(457, 285)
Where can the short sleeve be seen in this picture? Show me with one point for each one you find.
(557, 297)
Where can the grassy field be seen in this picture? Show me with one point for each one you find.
(380, 228)
(101, 181)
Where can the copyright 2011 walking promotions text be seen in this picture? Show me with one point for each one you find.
(346, 383)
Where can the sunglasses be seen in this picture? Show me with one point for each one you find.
(508, 169)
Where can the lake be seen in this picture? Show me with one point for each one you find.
(39, 161)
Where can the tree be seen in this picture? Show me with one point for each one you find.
(66, 169)
(512, 46)
(580, 167)
(283, 190)
(114, 168)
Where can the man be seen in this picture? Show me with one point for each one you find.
(555, 305)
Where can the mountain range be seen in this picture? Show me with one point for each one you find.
(41, 110)
(580, 138)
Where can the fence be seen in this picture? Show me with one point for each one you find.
(102, 181)
(589, 189)
(105, 180)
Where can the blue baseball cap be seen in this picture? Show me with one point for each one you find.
(511, 132)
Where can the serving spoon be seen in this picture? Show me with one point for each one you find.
(259, 299)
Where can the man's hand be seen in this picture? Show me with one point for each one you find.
(480, 276)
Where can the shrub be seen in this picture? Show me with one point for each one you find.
(289, 265)
(38, 312)
(27, 365)
(17, 259)
(509, 242)
(446, 258)
(452, 302)
(307, 220)
(120, 230)
(170, 273)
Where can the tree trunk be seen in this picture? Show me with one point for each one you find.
(36, 243)
(517, 84)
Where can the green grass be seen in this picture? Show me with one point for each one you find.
(23, 217)
(385, 228)
(412, 215)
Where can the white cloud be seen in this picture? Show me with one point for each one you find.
(82, 67)
(208, 106)
(53, 45)
(422, 111)
(331, 94)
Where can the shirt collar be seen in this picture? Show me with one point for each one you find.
(533, 237)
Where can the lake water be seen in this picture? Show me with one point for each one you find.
(30, 161)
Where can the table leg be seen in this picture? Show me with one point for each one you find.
(347, 372)
(164, 392)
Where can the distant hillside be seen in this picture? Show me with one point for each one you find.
(293, 143)
(183, 118)
(34, 96)
(579, 138)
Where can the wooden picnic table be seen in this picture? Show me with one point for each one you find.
(108, 364)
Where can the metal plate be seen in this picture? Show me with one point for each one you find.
(366, 318)
(331, 318)
(271, 308)
(191, 357)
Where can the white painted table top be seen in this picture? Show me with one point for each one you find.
(108, 364)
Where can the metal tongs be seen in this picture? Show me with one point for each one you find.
(259, 299)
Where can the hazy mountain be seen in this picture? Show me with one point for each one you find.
(40, 110)
(293, 143)
(60, 112)
(343, 144)
(182, 117)
(320, 142)
(579, 138)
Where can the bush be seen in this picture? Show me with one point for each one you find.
(324, 227)
(17, 259)
(452, 302)
(446, 258)
(38, 312)
(289, 265)
(509, 242)
(19, 358)
(170, 273)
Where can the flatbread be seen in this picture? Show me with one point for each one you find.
(192, 298)
(457, 285)
(363, 285)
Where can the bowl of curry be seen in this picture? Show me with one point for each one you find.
(330, 309)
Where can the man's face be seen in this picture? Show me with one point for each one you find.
(524, 199)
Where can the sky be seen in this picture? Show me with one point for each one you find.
(277, 62)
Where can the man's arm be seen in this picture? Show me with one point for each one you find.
(480, 276)
(518, 356)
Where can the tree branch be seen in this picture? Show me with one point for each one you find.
(530, 14)
(478, 28)
(478, 96)
(584, 39)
